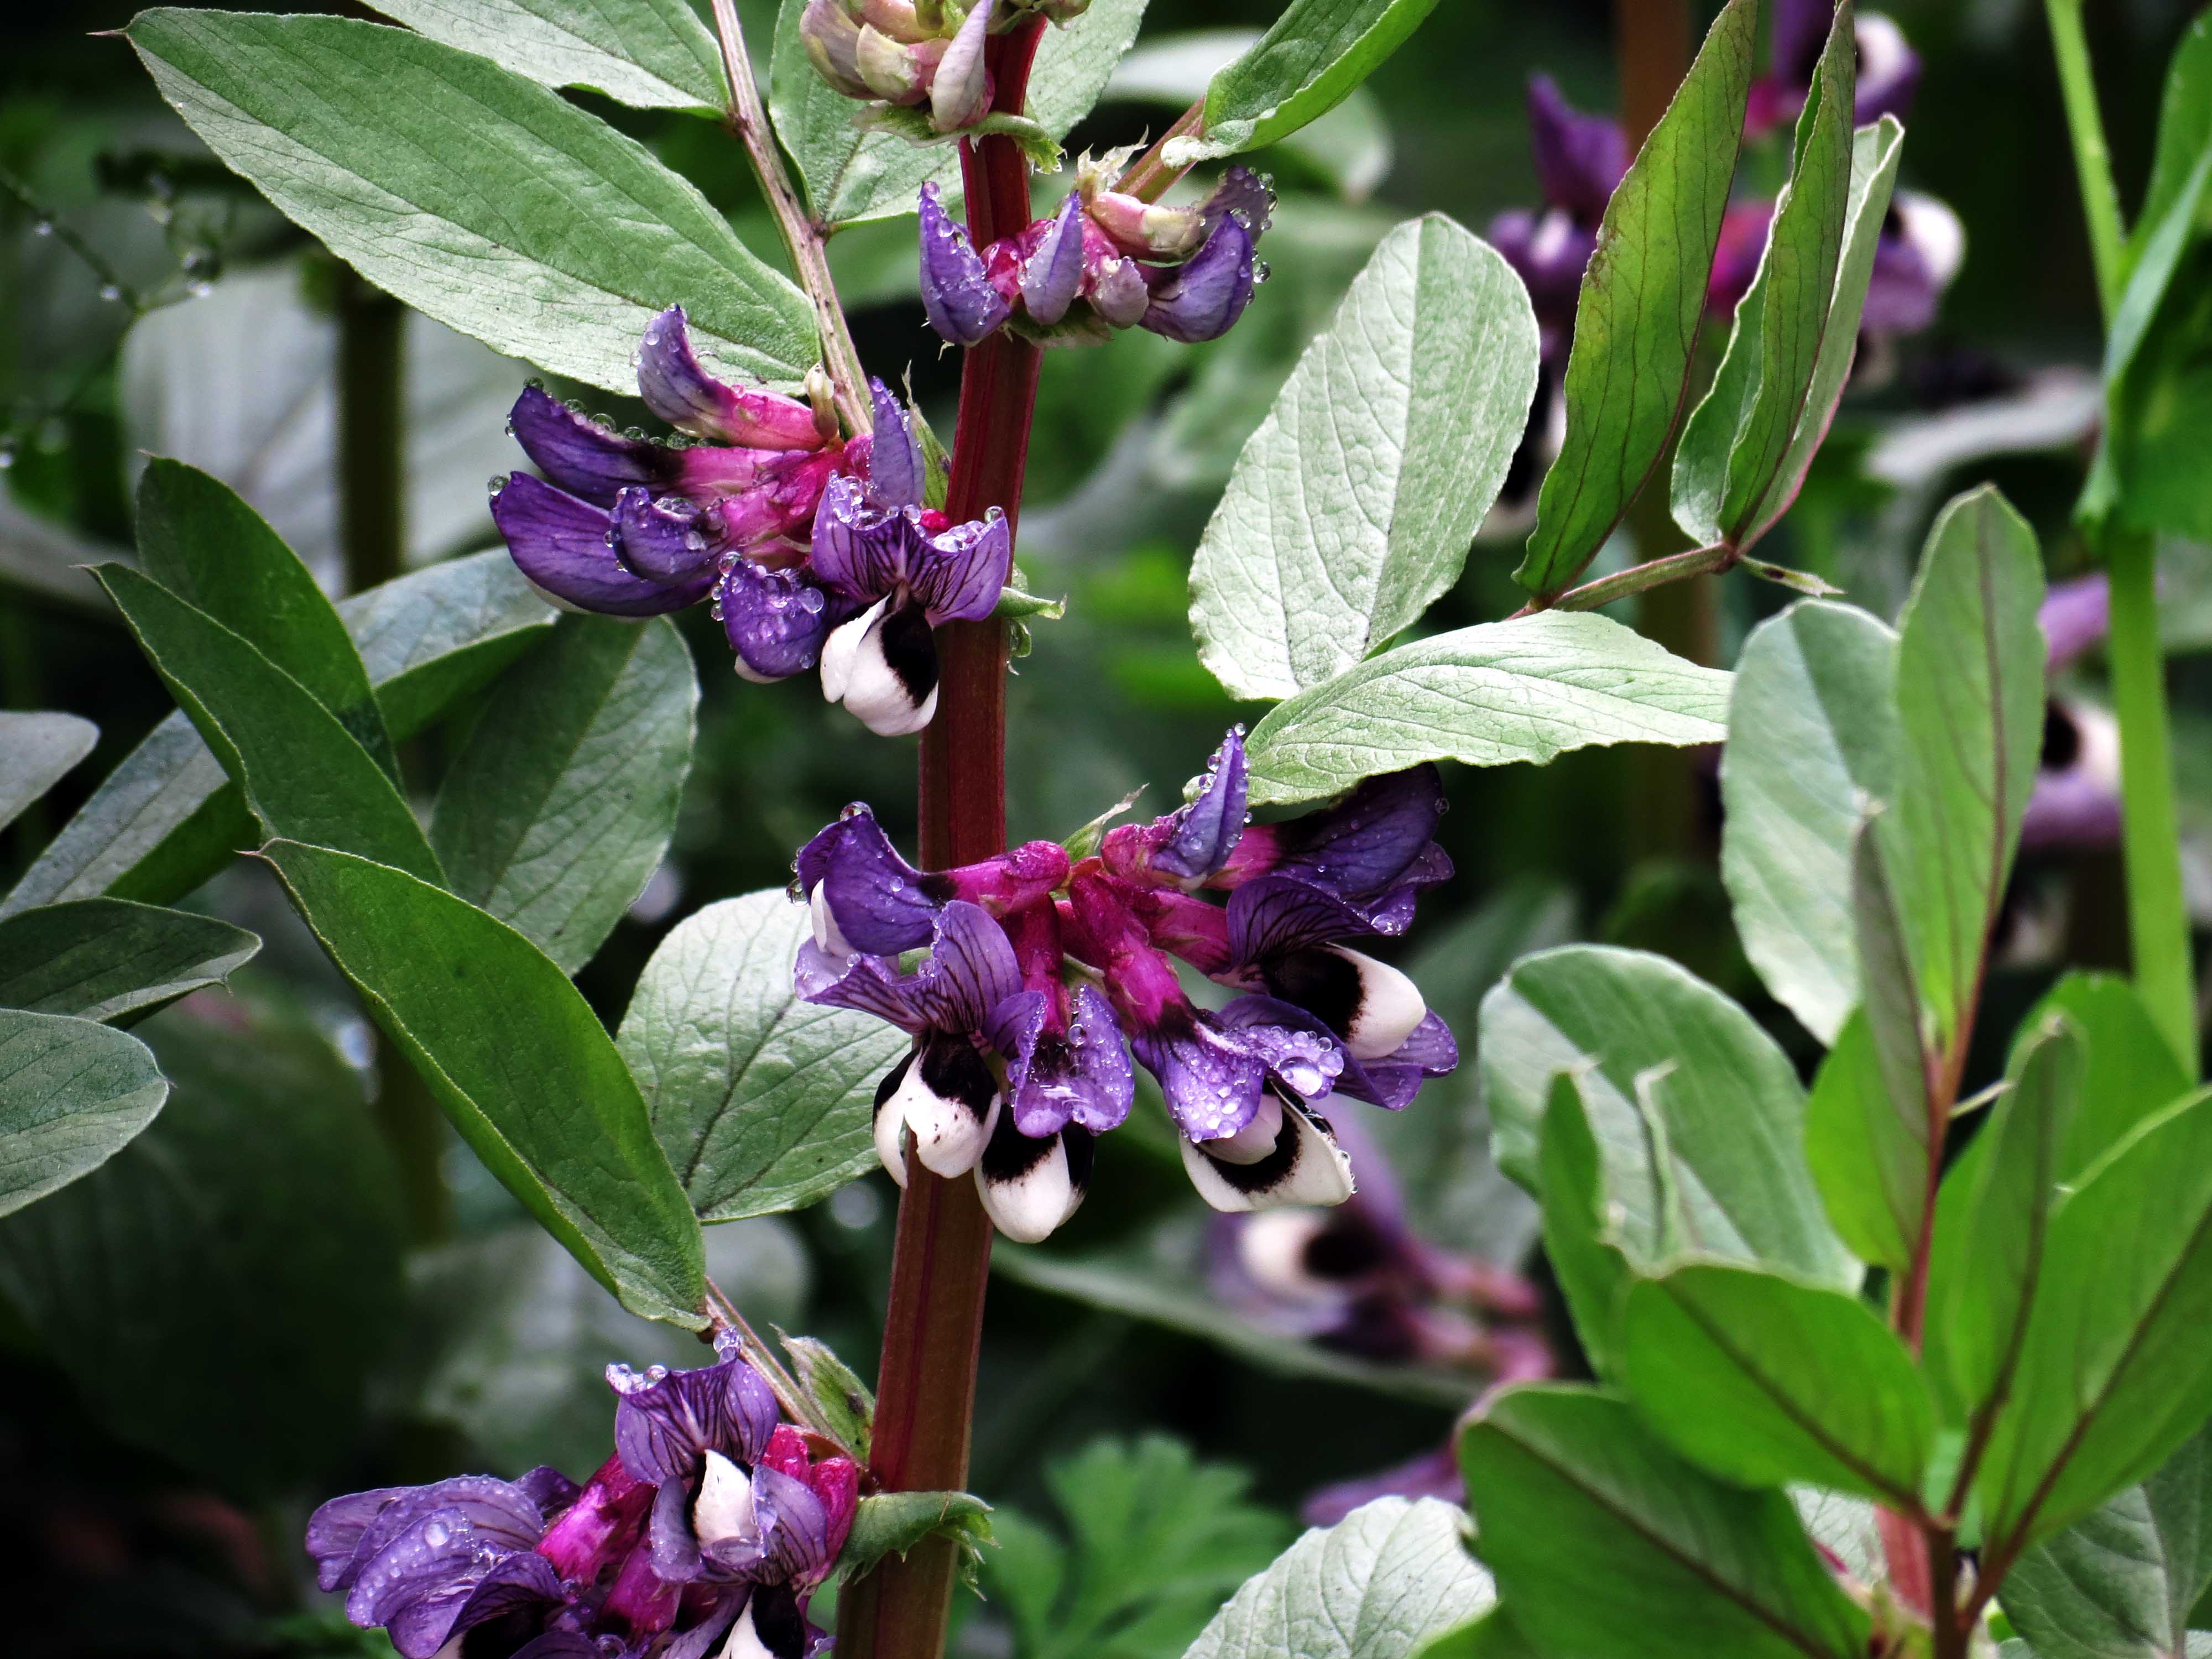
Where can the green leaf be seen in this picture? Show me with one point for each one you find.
(302, 773)
(1733, 447)
(73, 1093)
(1377, 1585)
(893, 1523)
(763, 1102)
(1490, 694)
(2115, 1372)
(1970, 696)
(1351, 509)
(2184, 130)
(1993, 1225)
(219, 1291)
(851, 175)
(1580, 1240)
(649, 54)
(1152, 1542)
(2119, 1583)
(1642, 299)
(1697, 1114)
(482, 199)
(1314, 57)
(1870, 1121)
(2128, 1077)
(36, 751)
(1604, 1541)
(520, 1064)
(560, 808)
(1744, 1372)
(1811, 748)
(109, 959)
(848, 1404)
(166, 818)
(200, 541)
(1492, 1636)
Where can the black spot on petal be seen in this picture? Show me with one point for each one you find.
(952, 1070)
(910, 651)
(1323, 982)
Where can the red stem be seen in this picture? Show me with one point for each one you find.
(941, 1264)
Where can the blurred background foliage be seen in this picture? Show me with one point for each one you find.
(243, 1313)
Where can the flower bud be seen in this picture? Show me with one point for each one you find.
(1119, 292)
(1201, 299)
(1053, 274)
(893, 71)
(895, 18)
(960, 93)
(832, 40)
(956, 290)
(1142, 228)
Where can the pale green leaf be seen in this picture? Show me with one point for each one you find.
(651, 54)
(73, 1093)
(36, 752)
(1311, 60)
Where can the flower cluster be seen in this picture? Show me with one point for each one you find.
(1581, 159)
(704, 1535)
(811, 548)
(1105, 260)
(1042, 965)
(924, 55)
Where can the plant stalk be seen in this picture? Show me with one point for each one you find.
(1638, 579)
(2158, 921)
(940, 1266)
(803, 239)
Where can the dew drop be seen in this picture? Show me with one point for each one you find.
(7, 446)
(1261, 270)
(110, 292)
(43, 228)
(854, 809)
(437, 1534)
(495, 485)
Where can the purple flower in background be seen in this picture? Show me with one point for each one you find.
(1103, 261)
(1580, 160)
(1888, 68)
(1042, 969)
(705, 1532)
(2074, 805)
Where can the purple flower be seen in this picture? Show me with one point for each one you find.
(2074, 805)
(864, 898)
(1888, 68)
(1921, 248)
(1580, 162)
(1104, 260)
(710, 1518)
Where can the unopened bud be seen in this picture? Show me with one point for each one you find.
(1120, 294)
(822, 397)
(888, 68)
(895, 18)
(1139, 227)
(832, 40)
(960, 93)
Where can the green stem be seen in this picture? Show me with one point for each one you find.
(1638, 579)
(2092, 159)
(2158, 920)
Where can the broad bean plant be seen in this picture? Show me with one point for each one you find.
(1851, 1361)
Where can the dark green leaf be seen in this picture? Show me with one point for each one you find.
(1377, 1585)
(1579, 1238)
(36, 751)
(2115, 1373)
(846, 1403)
(2130, 1073)
(763, 1102)
(485, 200)
(1970, 694)
(1811, 748)
(1733, 447)
(1314, 57)
(1743, 1372)
(1606, 1542)
(1350, 509)
(1642, 299)
(560, 808)
(218, 1291)
(166, 819)
(109, 959)
(893, 1523)
(73, 1093)
(518, 1061)
(651, 54)
(1490, 694)
(197, 538)
(1869, 1123)
(1154, 1541)
(1697, 1114)
(2119, 1583)
(302, 773)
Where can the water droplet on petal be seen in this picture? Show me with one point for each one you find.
(496, 484)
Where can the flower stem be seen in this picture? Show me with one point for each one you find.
(941, 1264)
(2093, 159)
(803, 239)
(1149, 175)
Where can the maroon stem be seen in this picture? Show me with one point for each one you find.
(940, 1266)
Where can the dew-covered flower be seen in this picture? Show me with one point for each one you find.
(1047, 973)
(704, 1535)
(1105, 260)
(812, 549)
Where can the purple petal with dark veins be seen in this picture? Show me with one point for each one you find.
(1205, 832)
(1375, 839)
(513, 1585)
(971, 969)
(334, 1531)
(666, 1425)
(881, 903)
(1212, 1080)
(1392, 1081)
(673, 1546)
(1081, 1075)
(1580, 159)
(795, 1529)
(560, 543)
(1274, 915)
(774, 620)
(956, 291)
(1373, 1081)
(1052, 273)
(867, 985)
(568, 1644)
(669, 540)
(550, 1490)
(1202, 298)
(497, 1510)
(859, 552)
(896, 475)
(416, 1583)
(959, 573)
(583, 456)
(678, 388)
